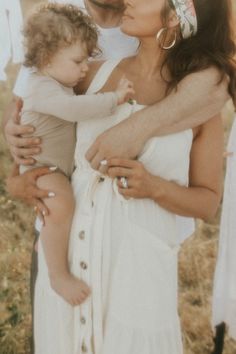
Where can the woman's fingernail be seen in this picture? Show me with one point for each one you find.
(31, 130)
(51, 194)
(44, 213)
(53, 168)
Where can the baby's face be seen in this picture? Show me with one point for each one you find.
(69, 65)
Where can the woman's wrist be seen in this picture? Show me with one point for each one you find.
(157, 188)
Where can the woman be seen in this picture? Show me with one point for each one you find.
(123, 239)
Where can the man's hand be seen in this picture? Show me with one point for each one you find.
(25, 187)
(123, 141)
(21, 148)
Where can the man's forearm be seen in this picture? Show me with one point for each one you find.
(198, 98)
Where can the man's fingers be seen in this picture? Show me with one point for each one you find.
(24, 142)
(22, 161)
(17, 129)
(40, 207)
(41, 210)
(25, 152)
(43, 194)
(41, 171)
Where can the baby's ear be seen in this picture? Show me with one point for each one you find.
(173, 20)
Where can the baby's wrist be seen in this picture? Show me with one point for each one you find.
(119, 98)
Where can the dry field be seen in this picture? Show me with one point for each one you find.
(197, 262)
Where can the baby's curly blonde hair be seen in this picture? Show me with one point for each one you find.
(54, 26)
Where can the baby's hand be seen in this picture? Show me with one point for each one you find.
(125, 90)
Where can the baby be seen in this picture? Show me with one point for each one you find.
(58, 41)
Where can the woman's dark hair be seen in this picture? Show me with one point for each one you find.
(213, 45)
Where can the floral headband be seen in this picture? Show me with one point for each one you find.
(186, 13)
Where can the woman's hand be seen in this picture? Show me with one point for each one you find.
(22, 148)
(25, 188)
(140, 181)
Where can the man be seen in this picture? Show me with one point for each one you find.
(198, 98)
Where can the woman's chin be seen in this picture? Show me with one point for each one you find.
(125, 28)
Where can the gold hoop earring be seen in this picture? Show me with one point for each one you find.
(160, 32)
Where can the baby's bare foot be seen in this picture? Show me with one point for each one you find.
(72, 289)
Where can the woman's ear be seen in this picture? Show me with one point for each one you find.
(173, 20)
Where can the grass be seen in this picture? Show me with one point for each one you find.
(196, 265)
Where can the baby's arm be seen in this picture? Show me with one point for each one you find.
(53, 100)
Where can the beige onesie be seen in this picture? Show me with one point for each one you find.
(53, 110)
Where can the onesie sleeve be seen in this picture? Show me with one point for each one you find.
(51, 98)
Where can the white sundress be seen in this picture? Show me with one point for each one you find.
(126, 250)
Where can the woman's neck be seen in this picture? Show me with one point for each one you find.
(105, 16)
(150, 58)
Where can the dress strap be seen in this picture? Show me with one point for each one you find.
(102, 75)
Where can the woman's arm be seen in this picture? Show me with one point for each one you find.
(201, 199)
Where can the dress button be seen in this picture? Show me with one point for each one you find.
(83, 320)
(83, 265)
(84, 348)
(101, 179)
(82, 235)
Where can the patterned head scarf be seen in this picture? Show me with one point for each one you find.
(187, 16)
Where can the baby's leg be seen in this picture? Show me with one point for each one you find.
(55, 239)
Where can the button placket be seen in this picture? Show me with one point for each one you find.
(83, 265)
(82, 235)
(84, 274)
(84, 348)
(82, 320)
